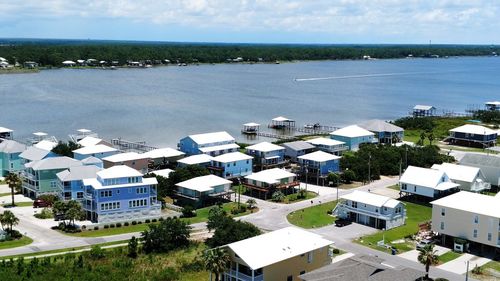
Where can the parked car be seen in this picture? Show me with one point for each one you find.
(342, 222)
(423, 243)
(39, 203)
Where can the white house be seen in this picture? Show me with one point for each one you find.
(164, 155)
(426, 182)
(99, 151)
(329, 145)
(199, 159)
(371, 209)
(469, 178)
(353, 136)
(199, 190)
(489, 165)
(267, 181)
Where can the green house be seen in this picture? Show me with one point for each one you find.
(9, 157)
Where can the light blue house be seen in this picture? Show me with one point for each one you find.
(93, 161)
(353, 136)
(120, 193)
(33, 153)
(295, 149)
(70, 181)
(231, 165)
(202, 160)
(385, 132)
(318, 165)
(266, 155)
(99, 151)
(212, 144)
(10, 162)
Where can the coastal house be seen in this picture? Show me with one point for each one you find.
(162, 173)
(164, 156)
(212, 144)
(266, 155)
(92, 141)
(202, 160)
(473, 135)
(231, 165)
(329, 145)
(266, 182)
(295, 149)
(317, 165)
(488, 164)
(423, 110)
(6, 133)
(353, 136)
(40, 176)
(493, 105)
(34, 154)
(385, 132)
(134, 160)
(282, 254)
(204, 190)
(470, 216)
(94, 161)
(371, 209)
(281, 122)
(10, 162)
(70, 181)
(99, 151)
(45, 144)
(120, 193)
(426, 182)
(469, 178)
(68, 63)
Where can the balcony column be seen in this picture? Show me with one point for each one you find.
(253, 275)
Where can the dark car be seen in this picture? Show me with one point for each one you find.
(342, 222)
(39, 203)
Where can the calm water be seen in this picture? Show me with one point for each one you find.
(161, 105)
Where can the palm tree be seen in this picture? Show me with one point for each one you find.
(251, 203)
(8, 220)
(216, 261)
(422, 138)
(430, 137)
(14, 183)
(427, 256)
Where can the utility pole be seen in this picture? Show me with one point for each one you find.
(467, 272)
(369, 167)
(239, 193)
(306, 177)
(406, 157)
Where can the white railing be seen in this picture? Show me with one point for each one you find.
(243, 277)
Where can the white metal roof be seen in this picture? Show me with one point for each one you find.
(92, 160)
(471, 202)
(40, 134)
(446, 185)
(119, 171)
(232, 157)
(196, 159)
(97, 184)
(211, 137)
(376, 125)
(298, 145)
(5, 130)
(126, 156)
(281, 119)
(270, 176)
(371, 199)
(68, 62)
(89, 141)
(46, 145)
(33, 153)
(251, 124)
(422, 176)
(11, 146)
(100, 148)
(497, 103)
(203, 183)
(458, 172)
(319, 156)
(276, 246)
(352, 131)
(423, 107)
(218, 147)
(325, 141)
(473, 129)
(78, 173)
(53, 163)
(84, 131)
(265, 147)
(163, 173)
(166, 152)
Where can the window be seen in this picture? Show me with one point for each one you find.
(475, 233)
(53, 184)
(310, 257)
(106, 193)
(248, 161)
(289, 278)
(354, 204)
(141, 190)
(476, 219)
(404, 186)
(443, 213)
(79, 195)
(302, 272)
(415, 189)
(110, 206)
(442, 225)
(489, 236)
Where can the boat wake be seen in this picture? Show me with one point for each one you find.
(360, 76)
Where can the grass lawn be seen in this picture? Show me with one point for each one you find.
(352, 185)
(19, 204)
(448, 256)
(292, 198)
(486, 274)
(201, 216)
(313, 217)
(395, 187)
(416, 214)
(25, 240)
(5, 194)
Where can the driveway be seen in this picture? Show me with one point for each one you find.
(413, 254)
(459, 265)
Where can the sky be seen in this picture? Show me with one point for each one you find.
(257, 21)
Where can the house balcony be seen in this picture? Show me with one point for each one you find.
(377, 215)
(278, 186)
(243, 277)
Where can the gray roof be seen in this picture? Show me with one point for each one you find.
(376, 125)
(34, 153)
(53, 163)
(91, 160)
(361, 268)
(78, 173)
(298, 145)
(10, 146)
(480, 159)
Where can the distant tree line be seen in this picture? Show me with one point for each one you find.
(53, 54)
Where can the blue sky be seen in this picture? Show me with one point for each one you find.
(257, 21)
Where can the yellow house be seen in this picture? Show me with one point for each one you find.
(281, 255)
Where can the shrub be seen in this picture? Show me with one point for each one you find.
(126, 223)
(301, 194)
(348, 176)
(161, 219)
(139, 222)
(84, 227)
(147, 221)
(96, 252)
(96, 227)
(106, 226)
(134, 222)
(477, 270)
(335, 251)
(44, 214)
(278, 196)
(118, 224)
(188, 212)
(112, 225)
(154, 220)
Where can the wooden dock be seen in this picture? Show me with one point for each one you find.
(275, 136)
(321, 130)
(131, 146)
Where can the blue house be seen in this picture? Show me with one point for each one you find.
(10, 162)
(231, 165)
(199, 159)
(99, 151)
(120, 193)
(353, 136)
(295, 149)
(93, 161)
(212, 144)
(318, 165)
(266, 155)
(70, 181)
(385, 132)
(35, 154)
(473, 135)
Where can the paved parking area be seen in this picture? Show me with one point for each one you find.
(459, 265)
(413, 254)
